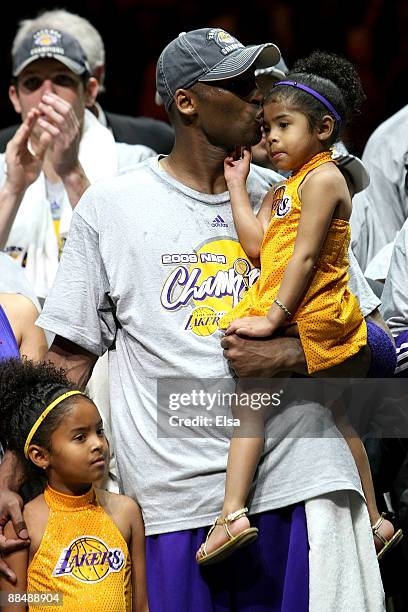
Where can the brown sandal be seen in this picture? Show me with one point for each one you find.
(234, 542)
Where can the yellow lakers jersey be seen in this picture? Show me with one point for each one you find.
(83, 556)
(331, 325)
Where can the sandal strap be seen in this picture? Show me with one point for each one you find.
(233, 516)
(376, 527)
(203, 547)
(230, 518)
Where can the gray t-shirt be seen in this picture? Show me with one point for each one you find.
(148, 267)
(394, 298)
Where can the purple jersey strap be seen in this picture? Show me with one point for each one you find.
(313, 93)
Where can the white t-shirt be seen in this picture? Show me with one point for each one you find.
(147, 269)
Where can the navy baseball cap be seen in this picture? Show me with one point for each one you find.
(205, 55)
(52, 43)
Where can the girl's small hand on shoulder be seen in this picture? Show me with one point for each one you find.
(237, 170)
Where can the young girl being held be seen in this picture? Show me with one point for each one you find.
(301, 236)
(86, 545)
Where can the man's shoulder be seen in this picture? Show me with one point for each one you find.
(147, 131)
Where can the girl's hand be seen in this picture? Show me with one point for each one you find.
(237, 170)
(257, 327)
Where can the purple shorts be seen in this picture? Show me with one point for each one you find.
(269, 575)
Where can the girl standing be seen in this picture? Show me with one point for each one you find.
(87, 545)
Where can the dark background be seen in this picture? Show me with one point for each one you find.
(371, 33)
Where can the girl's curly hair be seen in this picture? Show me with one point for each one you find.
(332, 76)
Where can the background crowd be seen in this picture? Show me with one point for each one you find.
(369, 33)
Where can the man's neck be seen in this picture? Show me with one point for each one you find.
(197, 164)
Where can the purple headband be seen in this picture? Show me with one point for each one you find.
(313, 93)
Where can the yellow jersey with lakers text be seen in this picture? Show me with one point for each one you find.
(82, 556)
(331, 326)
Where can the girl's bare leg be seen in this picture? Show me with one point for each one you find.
(243, 457)
(360, 457)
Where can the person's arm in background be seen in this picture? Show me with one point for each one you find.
(22, 315)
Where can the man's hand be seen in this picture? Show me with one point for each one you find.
(10, 509)
(23, 167)
(62, 131)
(263, 357)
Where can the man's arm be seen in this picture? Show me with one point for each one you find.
(77, 362)
(266, 357)
(12, 472)
(17, 563)
(12, 475)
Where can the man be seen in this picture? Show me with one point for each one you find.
(133, 130)
(157, 315)
(380, 211)
(57, 151)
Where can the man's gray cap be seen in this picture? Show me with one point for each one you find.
(55, 44)
(279, 71)
(352, 165)
(205, 55)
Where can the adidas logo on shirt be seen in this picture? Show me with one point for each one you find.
(218, 222)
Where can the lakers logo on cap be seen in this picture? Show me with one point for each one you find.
(46, 38)
(89, 559)
(225, 41)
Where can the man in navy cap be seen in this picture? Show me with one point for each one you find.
(154, 307)
(58, 150)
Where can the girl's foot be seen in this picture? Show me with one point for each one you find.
(218, 535)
